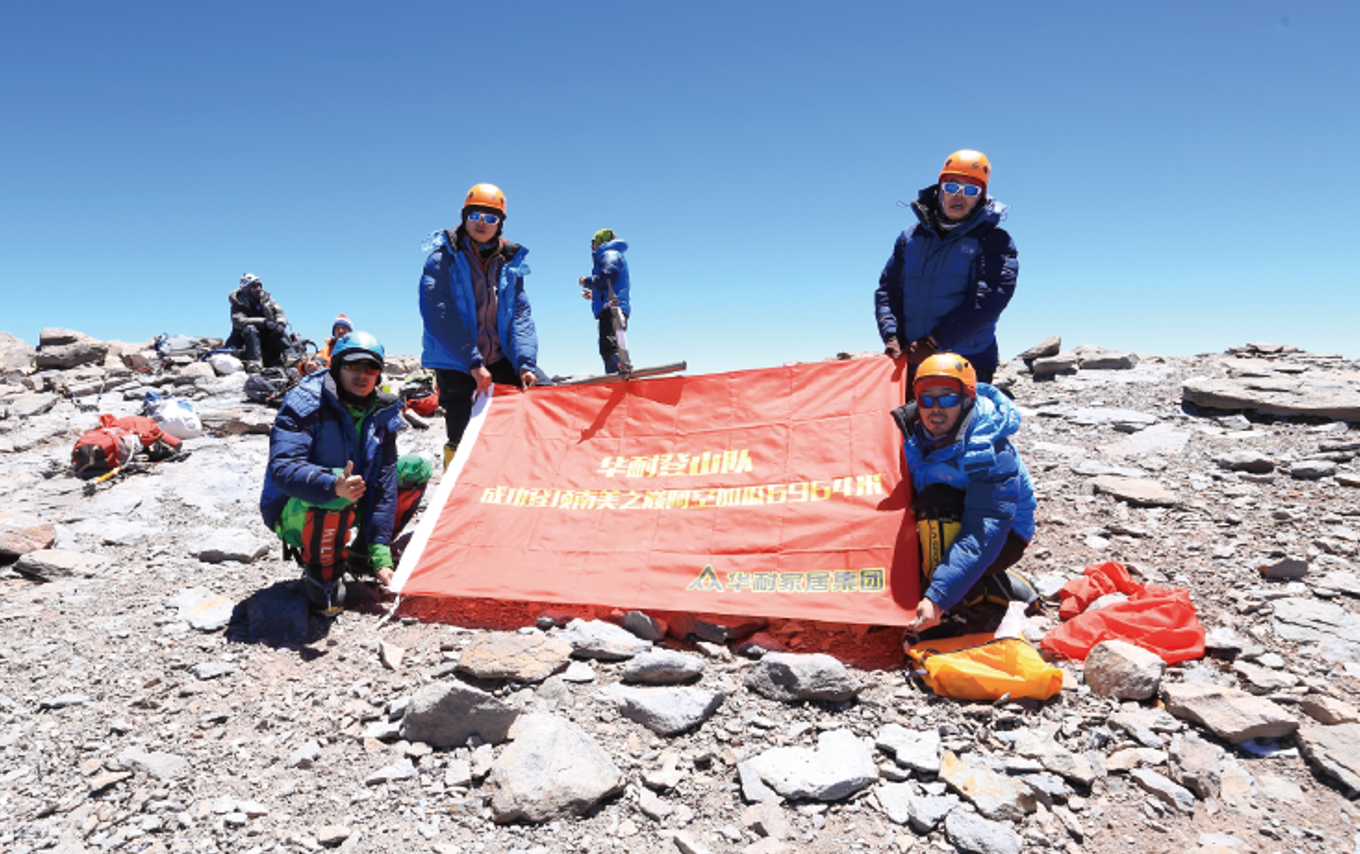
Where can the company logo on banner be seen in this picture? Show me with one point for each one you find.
(777, 492)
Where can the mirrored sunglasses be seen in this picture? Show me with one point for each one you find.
(953, 188)
(478, 216)
(361, 368)
(944, 401)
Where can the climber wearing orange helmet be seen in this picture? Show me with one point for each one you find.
(479, 328)
(950, 275)
(971, 495)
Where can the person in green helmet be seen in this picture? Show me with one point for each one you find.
(607, 288)
(333, 466)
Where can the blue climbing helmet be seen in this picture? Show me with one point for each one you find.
(358, 345)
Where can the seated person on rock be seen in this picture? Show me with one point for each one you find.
(972, 498)
(333, 466)
(258, 326)
(340, 328)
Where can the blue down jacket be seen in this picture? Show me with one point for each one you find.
(449, 308)
(610, 268)
(998, 495)
(314, 436)
(952, 286)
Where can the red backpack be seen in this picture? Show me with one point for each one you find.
(116, 439)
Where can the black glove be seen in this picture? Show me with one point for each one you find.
(275, 327)
(892, 348)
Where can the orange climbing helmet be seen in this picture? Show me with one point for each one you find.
(967, 163)
(485, 196)
(951, 366)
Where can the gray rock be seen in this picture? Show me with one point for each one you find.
(52, 564)
(229, 544)
(789, 677)
(1194, 763)
(30, 405)
(383, 731)
(552, 770)
(1329, 710)
(203, 609)
(305, 756)
(840, 766)
(402, 769)
(1332, 750)
(162, 766)
(973, 834)
(21, 533)
(1264, 680)
(1140, 493)
(1309, 621)
(1051, 346)
(598, 639)
(917, 750)
(903, 806)
(15, 354)
(1054, 757)
(1312, 469)
(1233, 715)
(446, 714)
(1062, 363)
(66, 356)
(212, 669)
(663, 667)
(1285, 569)
(1123, 671)
(1323, 397)
(61, 701)
(1097, 359)
(996, 796)
(1159, 439)
(644, 626)
(1342, 581)
(667, 711)
(510, 655)
(1163, 789)
(753, 789)
(1097, 415)
(237, 422)
(1248, 461)
(332, 835)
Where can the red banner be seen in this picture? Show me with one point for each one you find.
(778, 492)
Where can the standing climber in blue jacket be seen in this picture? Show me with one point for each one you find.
(610, 272)
(950, 275)
(972, 497)
(479, 328)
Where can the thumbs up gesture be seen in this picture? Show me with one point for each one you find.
(349, 486)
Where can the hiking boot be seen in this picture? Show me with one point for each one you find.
(252, 367)
(449, 451)
(325, 598)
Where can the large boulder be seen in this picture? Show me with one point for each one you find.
(1229, 713)
(552, 770)
(446, 714)
(64, 349)
(1321, 397)
(15, 355)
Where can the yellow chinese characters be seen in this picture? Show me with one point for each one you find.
(702, 498)
(871, 580)
(737, 461)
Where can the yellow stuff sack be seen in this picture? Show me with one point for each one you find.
(981, 667)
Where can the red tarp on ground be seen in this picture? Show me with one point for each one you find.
(777, 493)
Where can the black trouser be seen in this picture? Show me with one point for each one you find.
(260, 344)
(609, 341)
(456, 390)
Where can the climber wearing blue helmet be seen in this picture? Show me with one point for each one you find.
(333, 466)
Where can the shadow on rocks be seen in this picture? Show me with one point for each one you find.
(278, 616)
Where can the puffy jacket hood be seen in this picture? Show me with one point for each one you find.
(927, 210)
(612, 246)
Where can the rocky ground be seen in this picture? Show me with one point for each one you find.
(165, 691)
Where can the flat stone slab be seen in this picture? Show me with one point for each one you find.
(973, 834)
(663, 667)
(1341, 581)
(1333, 750)
(21, 533)
(666, 711)
(997, 796)
(446, 714)
(790, 677)
(231, 544)
(510, 655)
(1310, 621)
(1111, 415)
(605, 641)
(1320, 396)
(163, 766)
(1160, 439)
(918, 750)
(1229, 713)
(52, 564)
(1141, 493)
(203, 609)
(840, 766)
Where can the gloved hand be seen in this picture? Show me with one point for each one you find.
(892, 348)
(275, 327)
(920, 350)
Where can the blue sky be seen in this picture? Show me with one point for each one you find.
(1180, 173)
